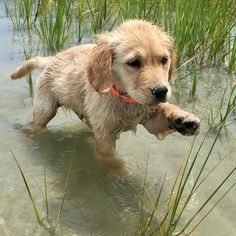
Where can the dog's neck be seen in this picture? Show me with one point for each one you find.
(123, 96)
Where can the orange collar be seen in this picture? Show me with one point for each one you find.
(118, 93)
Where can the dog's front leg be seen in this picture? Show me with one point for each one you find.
(169, 118)
(106, 150)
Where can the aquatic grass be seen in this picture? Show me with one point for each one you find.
(207, 201)
(230, 106)
(45, 190)
(36, 211)
(12, 12)
(137, 9)
(21, 13)
(54, 25)
(38, 9)
(27, 11)
(145, 226)
(167, 227)
(80, 14)
(174, 220)
(226, 107)
(47, 225)
(64, 194)
(203, 28)
(212, 208)
(194, 84)
(29, 79)
(102, 15)
(143, 193)
(210, 172)
(232, 52)
(154, 208)
(175, 216)
(180, 195)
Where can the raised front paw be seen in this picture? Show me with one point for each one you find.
(185, 123)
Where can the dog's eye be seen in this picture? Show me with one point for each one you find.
(135, 63)
(164, 60)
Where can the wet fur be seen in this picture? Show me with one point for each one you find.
(80, 79)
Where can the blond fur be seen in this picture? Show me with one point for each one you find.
(80, 79)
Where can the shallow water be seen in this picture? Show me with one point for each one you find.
(96, 204)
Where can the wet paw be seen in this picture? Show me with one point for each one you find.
(186, 124)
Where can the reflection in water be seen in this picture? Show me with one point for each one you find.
(107, 205)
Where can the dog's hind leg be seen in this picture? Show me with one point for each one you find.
(45, 106)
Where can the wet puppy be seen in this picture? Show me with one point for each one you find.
(113, 86)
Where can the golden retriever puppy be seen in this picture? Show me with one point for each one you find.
(113, 86)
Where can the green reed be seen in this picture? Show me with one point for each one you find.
(203, 28)
(29, 77)
(79, 23)
(232, 52)
(54, 24)
(45, 222)
(100, 14)
(21, 13)
(36, 211)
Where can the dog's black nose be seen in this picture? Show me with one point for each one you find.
(160, 93)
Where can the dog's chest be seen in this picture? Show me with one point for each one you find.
(128, 120)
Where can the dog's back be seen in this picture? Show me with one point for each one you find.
(78, 52)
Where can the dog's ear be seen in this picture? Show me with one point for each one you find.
(172, 68)
(99, 67)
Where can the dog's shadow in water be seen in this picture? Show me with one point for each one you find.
(105, 205)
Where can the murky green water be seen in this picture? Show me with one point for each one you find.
(96, 204)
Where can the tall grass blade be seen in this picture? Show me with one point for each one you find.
(29, 77)
(37, 214)
(150, 218)
(212, 208)
(143, 193)
(208, 199)
(45, 190)
(211, 171)
(64, 194)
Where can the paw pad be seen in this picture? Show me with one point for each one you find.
(187, 125)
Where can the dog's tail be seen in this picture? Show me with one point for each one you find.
(30, 65)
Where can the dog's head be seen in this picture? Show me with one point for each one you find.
(138, 58)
